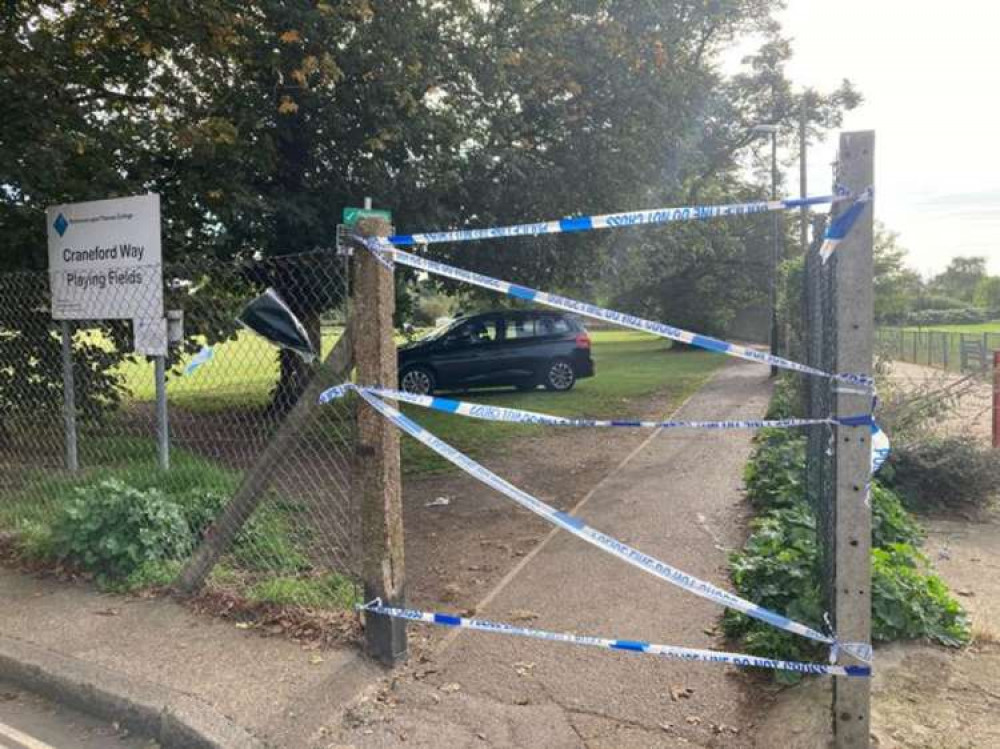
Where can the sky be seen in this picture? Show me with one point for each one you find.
(929, 75)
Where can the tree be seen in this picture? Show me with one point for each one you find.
(257, 121)
(897, 286)
(960, 278)
(988, 294)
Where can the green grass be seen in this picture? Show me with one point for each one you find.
(242, 372)
(984, 327)
(631, 366)
(331, 591)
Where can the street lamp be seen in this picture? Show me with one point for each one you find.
(772, 130)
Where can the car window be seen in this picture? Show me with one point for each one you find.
(476, 332)
(520, 327)
(552, 326)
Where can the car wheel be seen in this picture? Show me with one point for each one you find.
(417, 380)
(560, 376)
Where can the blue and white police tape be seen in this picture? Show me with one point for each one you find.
(578, 528)
(648, 217)
(880, 447)
(379, 246)
(200, 359)
(520, 416)
(631, 646)
(841, 225)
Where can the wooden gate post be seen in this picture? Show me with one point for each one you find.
(378, 488)
(854, 323)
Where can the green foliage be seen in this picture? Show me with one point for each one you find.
(955, 473)
(328, 591)
(775, 477)
(781, 566)
(897, 286)
(891, 523)
(172, 512)
(111, 530)
(908, 601)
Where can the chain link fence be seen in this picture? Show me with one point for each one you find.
(956, 352)
(820, 332)
(123, 518)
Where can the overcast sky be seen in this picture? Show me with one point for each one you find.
(930, 75)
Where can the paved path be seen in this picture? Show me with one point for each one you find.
(678, 498)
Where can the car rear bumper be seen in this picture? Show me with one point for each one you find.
(583, 367)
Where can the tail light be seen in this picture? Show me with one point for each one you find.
(583, 341)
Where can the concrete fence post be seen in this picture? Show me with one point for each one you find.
(854, 323)
(377, 468)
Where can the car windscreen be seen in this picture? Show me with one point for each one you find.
(439, 331)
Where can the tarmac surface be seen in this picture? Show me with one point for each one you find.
(30, 722)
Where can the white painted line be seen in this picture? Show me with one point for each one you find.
(22, 739)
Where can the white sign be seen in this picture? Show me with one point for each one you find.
(105, 259)
(150, 335)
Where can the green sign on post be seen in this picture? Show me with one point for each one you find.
(353, 215)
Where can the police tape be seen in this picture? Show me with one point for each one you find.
(199, 360)
(879, 439)
(520, 416)
(841, 225)
(578, 528)
(649, 217)
(632, 646)
(380, 247)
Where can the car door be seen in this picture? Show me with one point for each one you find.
(520, 340)
(466, 355)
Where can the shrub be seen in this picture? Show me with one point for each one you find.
(775, 477)
(111, 530)
(891, 523)
(908, 601)
(781, 568)
(944, 473)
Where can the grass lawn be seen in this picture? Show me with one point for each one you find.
(984, 327)
(242, 372)
(630, 366)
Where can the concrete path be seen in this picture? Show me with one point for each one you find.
(679, 499)
(266, 685)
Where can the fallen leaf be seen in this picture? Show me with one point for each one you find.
(523, 615)
(108, 612)
(242, 625)
(451, 688)
(524, 669)
(316, 660)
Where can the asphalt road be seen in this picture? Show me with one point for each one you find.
(30, 722)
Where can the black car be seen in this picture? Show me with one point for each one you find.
(521, 348)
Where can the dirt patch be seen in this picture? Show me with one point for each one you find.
(970, 398)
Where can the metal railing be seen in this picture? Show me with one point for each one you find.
(957, 352)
